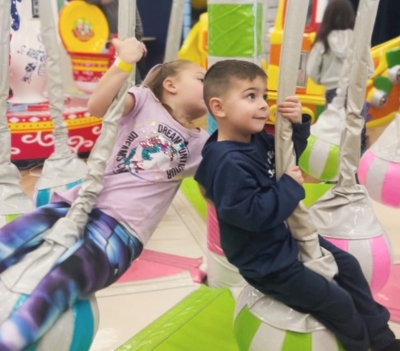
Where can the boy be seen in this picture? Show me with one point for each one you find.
(238, 175)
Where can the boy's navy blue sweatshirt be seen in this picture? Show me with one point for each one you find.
(239, 178)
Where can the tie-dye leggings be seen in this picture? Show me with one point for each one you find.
(104, 253)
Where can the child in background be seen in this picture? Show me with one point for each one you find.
(237, 175)
(329, 51)
(156, 148)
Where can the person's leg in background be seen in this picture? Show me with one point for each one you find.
(329, 95)
(364, 143)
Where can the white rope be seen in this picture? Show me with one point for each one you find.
(350, 141)
(92, 184)
(54, 77)
(13, 199)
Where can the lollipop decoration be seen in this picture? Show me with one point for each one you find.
(84, 32)
(379, 168)
(321, 158)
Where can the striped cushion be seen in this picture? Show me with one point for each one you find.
(320, 159)
(265, 326)
(381, 178)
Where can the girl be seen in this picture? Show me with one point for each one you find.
(156, 148)
(331, 44)
(330, 47)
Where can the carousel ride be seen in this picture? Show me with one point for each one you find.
(250, 308)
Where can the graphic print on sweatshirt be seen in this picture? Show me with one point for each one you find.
(270, 164)
(153, 151)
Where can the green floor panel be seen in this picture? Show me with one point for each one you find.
(191, 190)
(202, 321)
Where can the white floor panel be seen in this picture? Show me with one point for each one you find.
(124, 316)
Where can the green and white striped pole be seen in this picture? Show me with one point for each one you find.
(235, 32)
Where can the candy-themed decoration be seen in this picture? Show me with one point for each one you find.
(354, 228)
(83, 28)
(321, 157)
(13, 200)
(84, 32)
(379, 168)
(264, 324)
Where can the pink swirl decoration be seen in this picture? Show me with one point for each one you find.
(381, 263)
(381, 178)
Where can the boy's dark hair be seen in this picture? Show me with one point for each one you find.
(220, 75)
(338, 15)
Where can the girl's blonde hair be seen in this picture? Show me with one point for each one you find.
(157, 75)
(155, 78)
